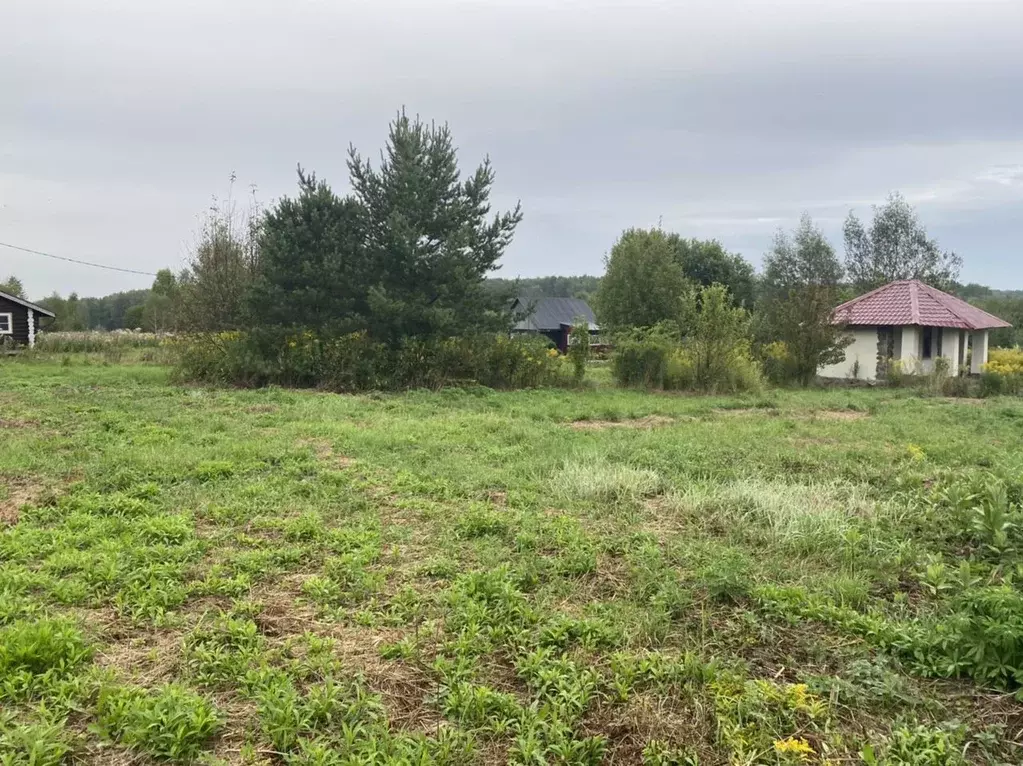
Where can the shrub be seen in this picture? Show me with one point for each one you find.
(776, 361)
(641, 357)
(579, 350)
(1003, 373)
(354, 362)
(715, 356)
(1005, 361)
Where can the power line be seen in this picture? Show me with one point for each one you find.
(75, 260)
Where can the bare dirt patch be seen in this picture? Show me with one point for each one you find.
(19, 492)
(17, 423)
(405, 687)
(325, 451)
(650, 421)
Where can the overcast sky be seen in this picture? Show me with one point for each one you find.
(120, 119)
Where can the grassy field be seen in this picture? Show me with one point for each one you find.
(278, 576)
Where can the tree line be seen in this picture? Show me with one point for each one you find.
(411, 251)
(653, 279)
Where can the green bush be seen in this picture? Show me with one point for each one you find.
(354, 362)
(776, 362)
(658, 363)
(641, 357)
(714, 354)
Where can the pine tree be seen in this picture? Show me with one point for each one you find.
(312, 269)
(13, 286)
(429, 237)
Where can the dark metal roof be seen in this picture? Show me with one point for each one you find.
(552, 313)
(26, 304)
(911, 302)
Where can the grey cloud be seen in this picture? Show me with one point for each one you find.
(721, 119)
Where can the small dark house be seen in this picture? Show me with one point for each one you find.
(19, 320)
(553, 318)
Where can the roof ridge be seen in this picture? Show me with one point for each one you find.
(954, 308)
(914, 301)
(26, 304)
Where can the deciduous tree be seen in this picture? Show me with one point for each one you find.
(706, 263)
(642, 284)
(800, 291)
(221, 267)
(896, 246)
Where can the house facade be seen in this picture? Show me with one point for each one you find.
(553, 318)
(915, 324)
(19, 320)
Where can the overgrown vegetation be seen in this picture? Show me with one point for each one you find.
(355, 362)
(470, 576)
(711, 351)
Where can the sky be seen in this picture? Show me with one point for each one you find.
(120, 120)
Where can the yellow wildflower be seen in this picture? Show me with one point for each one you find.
(799, 748)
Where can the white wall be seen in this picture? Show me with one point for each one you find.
(909, 352)
(979, 358)
(950, 348)
(862, 349)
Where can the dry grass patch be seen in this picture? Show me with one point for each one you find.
(14, 494)
(631, 726)
(262, 409)
(839, 414)
(324, 451)
(650, 421)
(13, 423)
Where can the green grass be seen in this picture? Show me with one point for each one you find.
(285, 577)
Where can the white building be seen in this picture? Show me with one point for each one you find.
(912, 322)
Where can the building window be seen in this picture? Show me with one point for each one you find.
(928, 343)
(6, 324)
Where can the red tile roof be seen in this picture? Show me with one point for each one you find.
(911, 302)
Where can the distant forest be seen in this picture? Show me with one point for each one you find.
(125, 310)
(548, 287)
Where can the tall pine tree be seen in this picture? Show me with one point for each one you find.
(430, 238)
(312, 271)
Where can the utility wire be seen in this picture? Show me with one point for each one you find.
(75, 260)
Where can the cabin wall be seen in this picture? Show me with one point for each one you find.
(19, 317)
(863, 349)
